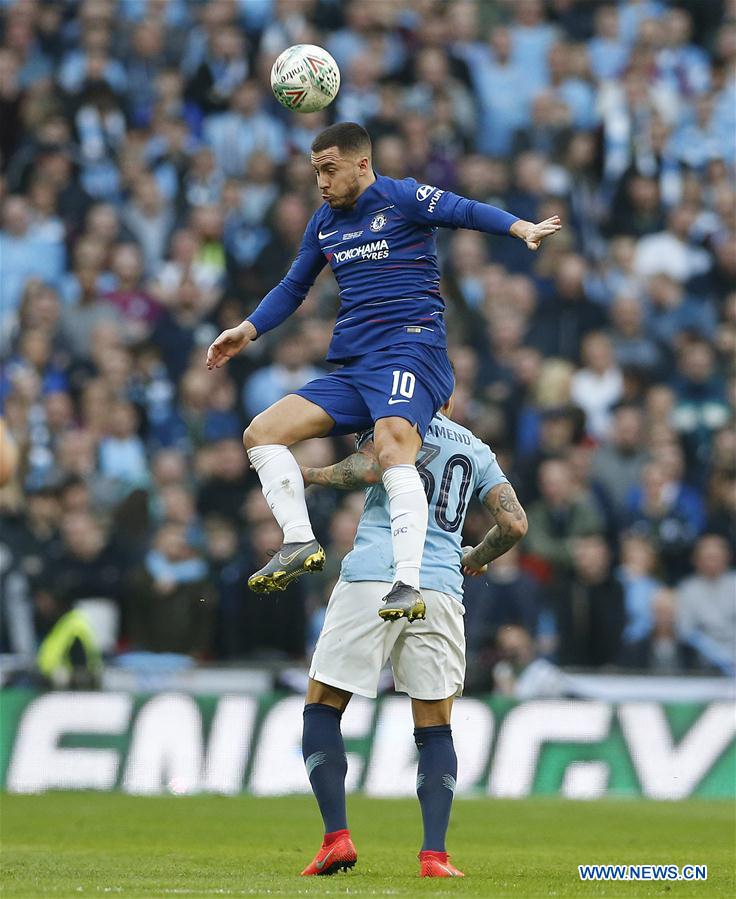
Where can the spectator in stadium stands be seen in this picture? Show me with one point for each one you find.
(170, 604)
(222, 491)
(122, 454)
(706, 604)
(653, 511)
(88, 567)
(607, 55)
(518, 672)
(580, 458)
(660, 650)
(30, 546)
(722, 488)
(222, 70)
(87, 312)
(139, 309)
(632, 347)
(228, 577)
(562, 323)
(701, 407)
(598, 385)
(588, 605)
(145, 58)
(668, 454)
(149, 218)
(184, 262)
(24, 253)
(244, 129)
(498, 79)
(34, 359)
(638, 575)
(559, 517)
(672, 252)
(531, 38)
(619, 460)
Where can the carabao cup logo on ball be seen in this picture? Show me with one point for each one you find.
(305, 78)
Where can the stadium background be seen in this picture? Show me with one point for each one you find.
(152, 191)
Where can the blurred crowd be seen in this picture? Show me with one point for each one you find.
(152, 191)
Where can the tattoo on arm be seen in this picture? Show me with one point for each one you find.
(506, 500)
(509, 528)
(353, 473)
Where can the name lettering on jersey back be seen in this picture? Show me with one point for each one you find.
(376, 249)
(442, 431)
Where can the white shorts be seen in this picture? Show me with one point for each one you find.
(427, 657)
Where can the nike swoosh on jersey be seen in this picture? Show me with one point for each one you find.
(392, 402)
(329, 234)
(320, 864)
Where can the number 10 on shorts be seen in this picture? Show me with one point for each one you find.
(403, 386)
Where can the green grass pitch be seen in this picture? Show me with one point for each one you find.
(83, 844)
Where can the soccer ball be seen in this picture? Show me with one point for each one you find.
(305, 78)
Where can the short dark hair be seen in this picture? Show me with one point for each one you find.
(348, 137)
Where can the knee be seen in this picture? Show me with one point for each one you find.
(255, 434)
(323, 694)
(388, 455)
(397, 443)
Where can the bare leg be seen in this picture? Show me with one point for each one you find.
(327, 695)
(287, 422)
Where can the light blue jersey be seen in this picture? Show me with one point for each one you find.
(453, 465)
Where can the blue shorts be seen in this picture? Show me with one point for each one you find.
(407, 381)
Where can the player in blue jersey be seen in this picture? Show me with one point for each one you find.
(378, 236)
(428, 658)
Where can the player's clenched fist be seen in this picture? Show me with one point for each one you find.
(469, 565)
(229, 344)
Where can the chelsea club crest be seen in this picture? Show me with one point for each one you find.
(378, 222)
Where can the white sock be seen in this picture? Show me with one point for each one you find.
(283, 487)
(409, 513)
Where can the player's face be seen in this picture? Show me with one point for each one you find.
(338, 176)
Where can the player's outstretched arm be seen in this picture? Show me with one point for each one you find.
(357, 471)
(429, 205)
(229, 344)
(510, 527)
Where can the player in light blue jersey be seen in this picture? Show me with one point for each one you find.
(377, 234)
(428, 658)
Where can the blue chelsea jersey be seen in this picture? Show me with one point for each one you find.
(384, 257)
(453, 465)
